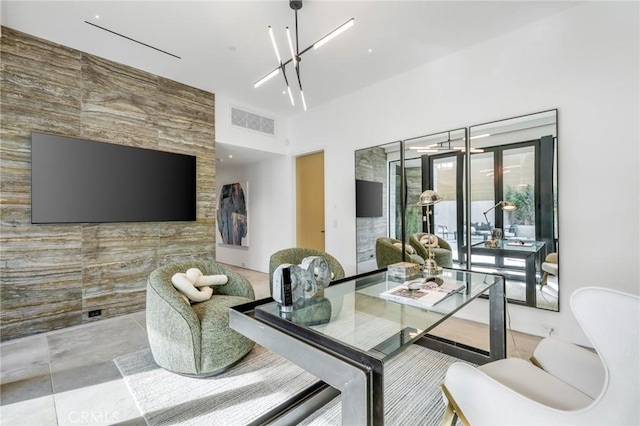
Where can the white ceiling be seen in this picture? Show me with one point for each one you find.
(224, 45)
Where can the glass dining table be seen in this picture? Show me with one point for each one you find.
(344, 335)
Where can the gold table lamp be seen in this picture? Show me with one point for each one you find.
(427, 199)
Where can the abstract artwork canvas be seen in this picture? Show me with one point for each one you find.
(232, 214)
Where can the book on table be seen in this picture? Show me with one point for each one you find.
(424, 292)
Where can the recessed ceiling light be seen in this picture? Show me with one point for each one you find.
(370, 50)
(230, 156)
(284, 92)
(97, 16)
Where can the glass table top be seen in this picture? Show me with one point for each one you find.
(516, 245)
(353, 313)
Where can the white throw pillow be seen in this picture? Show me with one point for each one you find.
(407, 248)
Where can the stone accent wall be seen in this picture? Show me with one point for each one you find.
(413, 212)
(53, 275)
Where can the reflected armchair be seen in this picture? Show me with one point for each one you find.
(569, 385)
(295, 256)
(389, 251)
(442, 254)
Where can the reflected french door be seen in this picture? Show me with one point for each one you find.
(446, 175)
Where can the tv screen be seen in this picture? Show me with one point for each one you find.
(368, 198)
(76, 180)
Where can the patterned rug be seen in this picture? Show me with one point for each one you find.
(263, 380)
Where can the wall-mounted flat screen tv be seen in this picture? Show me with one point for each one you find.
(77, 180)
(368, 198)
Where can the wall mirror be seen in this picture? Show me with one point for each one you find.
(402, 170)
(436, 162)
(513, 212)
(377, 188)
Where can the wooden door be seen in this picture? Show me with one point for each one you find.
(310, 201)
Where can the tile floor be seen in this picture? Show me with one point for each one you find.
(68, 377)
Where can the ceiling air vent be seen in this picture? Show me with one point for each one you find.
(251, 121)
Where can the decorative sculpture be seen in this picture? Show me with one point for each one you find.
(294, 282)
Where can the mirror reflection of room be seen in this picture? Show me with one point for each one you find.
(513, 211)
(512, 208)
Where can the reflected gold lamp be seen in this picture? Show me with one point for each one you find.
(427, 199)
(506, 206)
(495, 233)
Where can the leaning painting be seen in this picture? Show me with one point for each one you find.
(232, 214)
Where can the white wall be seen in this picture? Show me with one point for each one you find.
(270, 212)
(270, 209)
(227, 133)
(585, 62)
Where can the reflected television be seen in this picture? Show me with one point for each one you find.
(368, 198)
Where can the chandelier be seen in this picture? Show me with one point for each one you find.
(296, 53)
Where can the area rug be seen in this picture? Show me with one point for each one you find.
(238, 396)
(412, 394)
(263, 380)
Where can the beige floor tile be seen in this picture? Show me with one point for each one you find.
(35, 411)
(23, 359)
(102, 404)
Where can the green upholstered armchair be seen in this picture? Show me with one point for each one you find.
(387, 253)
(195, 340)
(295, 256)
(441, 254)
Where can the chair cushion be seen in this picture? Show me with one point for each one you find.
(443, 257)
(407, 248)
(535, 383)
(574, 365)
(551, 268)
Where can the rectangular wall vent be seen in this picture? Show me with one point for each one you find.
(251, 121)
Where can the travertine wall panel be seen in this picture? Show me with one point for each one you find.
(40, 86)
(186, 125)
(183, 242)
(119, 104)
(53, 275)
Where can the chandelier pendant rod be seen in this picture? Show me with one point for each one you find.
(297, 43)
(297, 53)
(297, 65)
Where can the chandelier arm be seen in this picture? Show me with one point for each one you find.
(330, 35)
(284, 74)
(306, 50)
(321, 38)
(297, 68)
(279, 67)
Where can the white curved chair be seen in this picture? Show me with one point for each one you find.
(570, 385)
